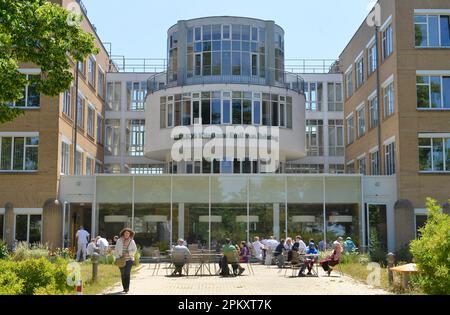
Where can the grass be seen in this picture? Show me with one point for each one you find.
(107, 276)
(365, 273)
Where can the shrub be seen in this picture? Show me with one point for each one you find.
(107, 260)
(432, 251)
(137, 257)
(3, 250)
(24, 252)
(10, 284)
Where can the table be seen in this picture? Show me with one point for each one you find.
(203, 260)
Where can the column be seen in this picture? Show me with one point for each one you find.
(52, 227)
(276, 220)
(9, 225)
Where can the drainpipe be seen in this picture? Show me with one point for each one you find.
(380, 166)
(75, 120)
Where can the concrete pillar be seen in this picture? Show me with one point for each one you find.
(404, 223)
(9, 225)
(276, 220)
(182, 53)
(52, 223)
(181, 220)
(270, 53)
(446, 208)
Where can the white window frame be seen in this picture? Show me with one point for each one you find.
(427, 14)
(28, 212)
(65, 160)
(91, 122)
(430, 74)
(27, 73)
(361, 119)
(24, 135)
(441, 136)
(350, 128)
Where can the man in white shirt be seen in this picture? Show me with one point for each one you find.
(102, 244)
(182, 253)
(91, 248)
(257, 246)
(82, 237)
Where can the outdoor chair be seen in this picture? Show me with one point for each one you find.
(178, 258)
(154, 257)
(294, 265)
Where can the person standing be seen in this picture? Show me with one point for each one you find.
(82, 237)
(126, 248)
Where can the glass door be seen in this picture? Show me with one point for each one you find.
(376, 223)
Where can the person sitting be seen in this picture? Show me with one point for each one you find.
(230, 256)
(278, 254)
(244, 252)
(299, 243)
(181, 252)
(311, 260)
(258, 247)
(91, 248)
(334, 258)
(349, 246)
(102, 244)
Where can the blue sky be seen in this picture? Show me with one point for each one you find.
(315, 29)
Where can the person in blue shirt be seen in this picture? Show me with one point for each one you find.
(349, 246)
(311, 260)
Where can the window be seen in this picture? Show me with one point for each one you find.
(433, 92)
(113, 96)
(373, 62)
(65, 158)
(349, 83)
(314, 96)
(80, 111)
(140, 169)
(28, 228)
(361, 113)
(389, 158)
(91, 71)
(350, 130)
(135, 137)
(359, 72)
(387, 42)
(78, 163)
(136, 93)
(314, 137)
(388, 100)
(82, 68)
(89, 164)
(91, 121)
(434, 154)
(351, 167)
(101, 83)
(99, 129)
(31, 98)
(362, 165)
(336, 137)
(432, 30)
(98, 167)
(112, 137)
(373, 112)
(337, 169)
(335, 102)
(67, 103)
(374, 166)
(292, 168)
(19, 153)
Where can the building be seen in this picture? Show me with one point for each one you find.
(409, 137)
(38, 147)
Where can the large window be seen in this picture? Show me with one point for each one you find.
(434, 154)
(388, 42)
(432, 30)
(336, 137)
(374, 165)
(136, 93)
(78, 163)
(80, 111)
(113, 96)
(89, 165)
(67, 103)
(28, 228)
(388, 100)
(350, 129)
(373, 62)
(389, 158)
(362, 165)
(31, 98)
(101, 83)
(314, 137)
(135, 137)
(349, 83)
(99, 129)
(91, 121)
(112, 137)
(91, 71)
(361, 113)
(239, 50)
(19, 153)
(65, 158)
(335, 101)
(314, 96)
(359, 72)
(373, 112)
(433, 92)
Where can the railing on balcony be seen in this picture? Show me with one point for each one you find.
(290, 81)
(311, 66)
(143, 65)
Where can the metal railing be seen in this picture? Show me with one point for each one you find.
(290, 81)
(312, 65)
(146, 65)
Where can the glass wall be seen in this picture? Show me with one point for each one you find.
(206, 209)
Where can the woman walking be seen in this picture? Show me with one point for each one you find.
(124, 253)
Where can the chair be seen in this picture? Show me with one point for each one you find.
(178, 258)
(295, 263)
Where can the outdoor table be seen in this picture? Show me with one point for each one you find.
(316, 263)
(204, 260)
(406, 271)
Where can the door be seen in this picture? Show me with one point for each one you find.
(376, 223)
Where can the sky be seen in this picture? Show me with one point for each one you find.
(315, 29)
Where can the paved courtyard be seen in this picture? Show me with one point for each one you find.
(266, 280)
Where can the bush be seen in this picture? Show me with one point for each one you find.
(10, 284)
(431, 251)
(3, 250)
(24, 252)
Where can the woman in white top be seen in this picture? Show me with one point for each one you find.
(126, 247)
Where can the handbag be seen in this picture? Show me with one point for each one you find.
(122, 261)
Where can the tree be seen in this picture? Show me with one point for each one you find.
(43, 34)
(432, 251)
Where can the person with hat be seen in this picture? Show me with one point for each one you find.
(126, 247)
(349, 246)
(311, 260)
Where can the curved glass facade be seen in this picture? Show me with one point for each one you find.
(226, 108)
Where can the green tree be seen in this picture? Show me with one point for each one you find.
(432, 251)
(43, 34)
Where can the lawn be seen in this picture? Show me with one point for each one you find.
(361, 272)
